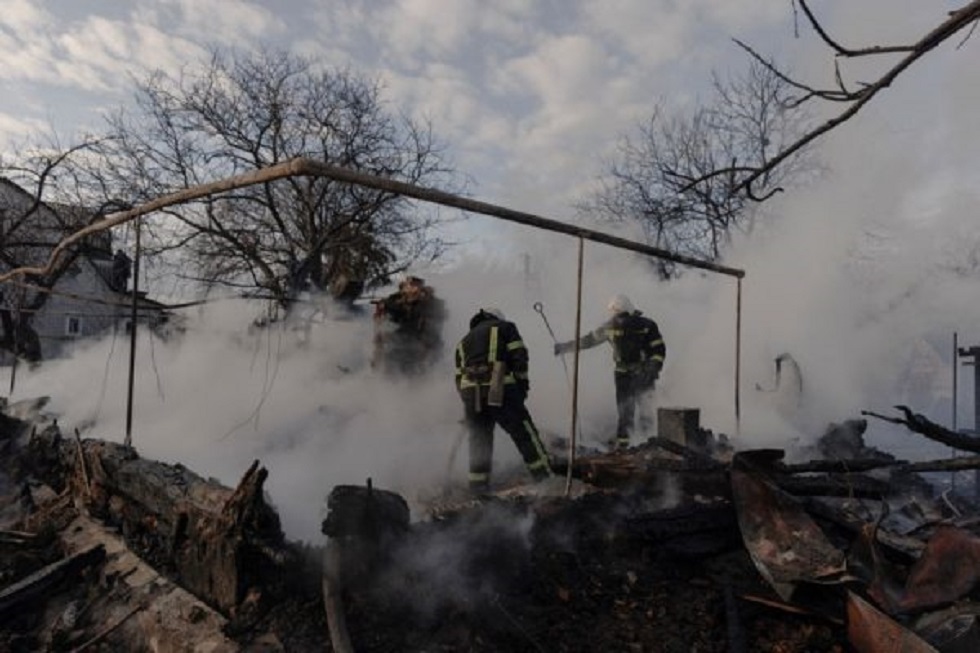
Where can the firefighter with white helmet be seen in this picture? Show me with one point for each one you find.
(638, 353)
(492, 380)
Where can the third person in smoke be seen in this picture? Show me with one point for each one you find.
(638, 354)
(492, 380)
(408, 329)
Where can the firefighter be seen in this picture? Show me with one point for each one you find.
(408, 328)
(638, 353)
(492, 380)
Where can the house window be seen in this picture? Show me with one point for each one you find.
(73, 326)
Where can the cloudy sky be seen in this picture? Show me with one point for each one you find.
(531, 96)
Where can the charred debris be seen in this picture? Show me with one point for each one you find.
(679, 544)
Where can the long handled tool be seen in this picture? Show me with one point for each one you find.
(539, 309)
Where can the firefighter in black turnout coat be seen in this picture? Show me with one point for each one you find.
(492, 380)
(638, 353)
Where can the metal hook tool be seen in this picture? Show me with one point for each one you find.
(539, 309)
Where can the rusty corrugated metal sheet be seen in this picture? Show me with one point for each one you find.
(947, 570)
(785, 544)
(871, 631)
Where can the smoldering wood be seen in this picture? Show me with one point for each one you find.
(845, 466)
(841, 485)
(697, 473)
(695, 458)
(333, 602)
(38, 584)
(690, 531)
(362, 524)
(218, 541)
(18, 539)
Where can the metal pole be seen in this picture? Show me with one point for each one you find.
(578, 334)
(975, 352)
(738, 355)
(17, 319)
(956, 353)
(132, 338)
(303, 166)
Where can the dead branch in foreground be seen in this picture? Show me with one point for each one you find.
(918, 423)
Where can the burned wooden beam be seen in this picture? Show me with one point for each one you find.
(218, 541)
(846, 466)
(689, 531)
(842, 485)
(837, 466)
(694, 459)
(41, 582)
(18, 539)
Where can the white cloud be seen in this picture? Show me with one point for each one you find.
(228, 22)
(23, 16)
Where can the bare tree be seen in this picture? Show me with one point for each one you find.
(39, 206)
(241, 112)
(746, 176)
(650, 180)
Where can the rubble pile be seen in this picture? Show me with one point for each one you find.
(675, 545)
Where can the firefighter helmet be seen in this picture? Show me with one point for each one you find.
(486, 314)
(619, 304)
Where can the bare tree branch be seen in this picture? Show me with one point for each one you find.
(958, 20)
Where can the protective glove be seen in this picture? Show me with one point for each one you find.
(562, 347)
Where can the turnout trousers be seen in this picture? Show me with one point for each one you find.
(632, 389)
(513, 418)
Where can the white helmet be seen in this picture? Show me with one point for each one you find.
(619, 304)
(496, 312)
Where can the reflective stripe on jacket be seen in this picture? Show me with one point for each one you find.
(636, 341)
(488, 342)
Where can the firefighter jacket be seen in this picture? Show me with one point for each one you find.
(636, 342)
(491, 341)
(416, 318)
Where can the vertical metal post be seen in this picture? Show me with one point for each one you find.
(973, 354)
(956, 350)
(578, 334)
(132, 337)
(738, 356)
(16, 320)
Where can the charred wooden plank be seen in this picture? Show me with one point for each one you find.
(828, 485)
(845, 466)
(691, 531)
(217, 541)
(44, 580)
